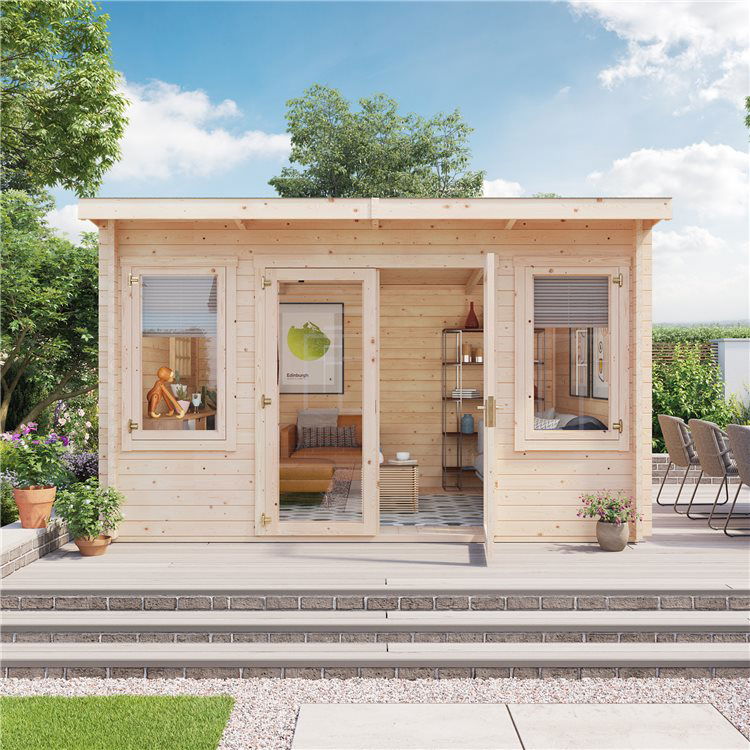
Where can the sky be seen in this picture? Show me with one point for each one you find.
(581, 98)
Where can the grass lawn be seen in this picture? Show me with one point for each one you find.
(120, 722)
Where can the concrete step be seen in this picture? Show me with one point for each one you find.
(374, 659)
(228, 621)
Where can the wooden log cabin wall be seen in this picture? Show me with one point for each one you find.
(200, 495)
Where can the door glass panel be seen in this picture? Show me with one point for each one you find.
(571, 353)
(319, 355)
(179, 352)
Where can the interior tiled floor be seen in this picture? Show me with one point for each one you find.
(434, 510)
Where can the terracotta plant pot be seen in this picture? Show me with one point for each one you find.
(93, 547)
(611, 536)
(34, 506)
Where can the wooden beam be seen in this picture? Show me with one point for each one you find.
(474, 279)
(370, 209)
(510, 223)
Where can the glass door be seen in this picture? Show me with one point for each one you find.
(318, 402)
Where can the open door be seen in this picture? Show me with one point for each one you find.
(490, 406)
(317, 401)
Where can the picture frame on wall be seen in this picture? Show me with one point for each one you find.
(600, 363)
(580, 361)
(311, 347)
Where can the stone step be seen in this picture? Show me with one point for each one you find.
(458, 597)
(374, 660)
(218, 621)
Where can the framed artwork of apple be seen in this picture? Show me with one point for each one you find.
(311, 347)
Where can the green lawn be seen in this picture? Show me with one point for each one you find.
(121, 722)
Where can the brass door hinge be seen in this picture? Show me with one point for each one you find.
(265, 520)
(265, 401)
(133, 279)
(266, 282)
(618, 279)
(618, 426)
(132, 425)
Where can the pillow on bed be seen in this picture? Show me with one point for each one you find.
(563, 419)
(545, 424)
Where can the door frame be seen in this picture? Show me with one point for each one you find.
(322, 262)
(267, 521)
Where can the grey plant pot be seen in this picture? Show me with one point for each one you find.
(611, 536)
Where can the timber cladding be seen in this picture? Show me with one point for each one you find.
(201, 495)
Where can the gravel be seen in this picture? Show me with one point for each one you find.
(266, 709)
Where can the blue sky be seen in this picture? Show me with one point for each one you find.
(586, 98)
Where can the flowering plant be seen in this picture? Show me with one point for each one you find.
(88, 509)
(608, 507)
(34, 460)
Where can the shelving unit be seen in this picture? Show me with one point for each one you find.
(540, 370)
(452, 408)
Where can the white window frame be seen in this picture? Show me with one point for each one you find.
(224, 438)
(612, 439)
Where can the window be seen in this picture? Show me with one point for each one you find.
(571, 379)
(176, 363)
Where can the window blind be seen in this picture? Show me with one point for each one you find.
(570, 301)
(179, 305)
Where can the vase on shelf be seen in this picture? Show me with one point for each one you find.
(471, 319)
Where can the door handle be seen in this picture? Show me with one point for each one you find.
(489, 411)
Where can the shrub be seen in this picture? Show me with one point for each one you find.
(700, 333)
(689, 388)
(35, 460)
(82, 466)
(8, 508)
(611, 508)
(88, 509)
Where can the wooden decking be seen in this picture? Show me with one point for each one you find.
(681, 555)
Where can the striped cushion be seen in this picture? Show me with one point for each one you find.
(328, 437)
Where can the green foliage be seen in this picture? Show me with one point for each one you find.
(62, 115)
(747, 111)
(88, 509)
(125, 722)
(690, 388)
(49, 311)
(8, 507)
(34, 460)
(374, 152)
(608, 507)
(546, 195)
(700, 333)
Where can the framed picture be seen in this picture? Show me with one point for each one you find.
(580, 360)
(600, 362)
(311, 347)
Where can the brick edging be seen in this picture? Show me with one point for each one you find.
(379, 602)
(25, 552)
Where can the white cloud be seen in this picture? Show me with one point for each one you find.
(501, 189)
(689, 242)
(65, 221)
(709, 180)
(173, 132)
(563, 92)
(698, 50)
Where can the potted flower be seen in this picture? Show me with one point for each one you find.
(34, 463)
(90, 512)
(613, 512)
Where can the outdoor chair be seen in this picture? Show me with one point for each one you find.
(680, 448)
(712, 446)
(739, 442)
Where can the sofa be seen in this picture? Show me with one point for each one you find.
(339, 456)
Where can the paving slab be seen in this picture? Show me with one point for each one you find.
(601, 726)
(404, 726)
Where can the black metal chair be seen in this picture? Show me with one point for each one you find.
(679, 444)
(739, 442)
(712, 446)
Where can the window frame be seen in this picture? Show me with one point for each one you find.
(526, 437)
(225, 437)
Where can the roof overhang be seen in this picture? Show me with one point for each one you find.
(375, 209)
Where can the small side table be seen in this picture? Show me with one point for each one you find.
(399, 487)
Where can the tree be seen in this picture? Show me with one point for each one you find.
(546, 195)
(49, 308)
(373, 152)
(62, 114)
